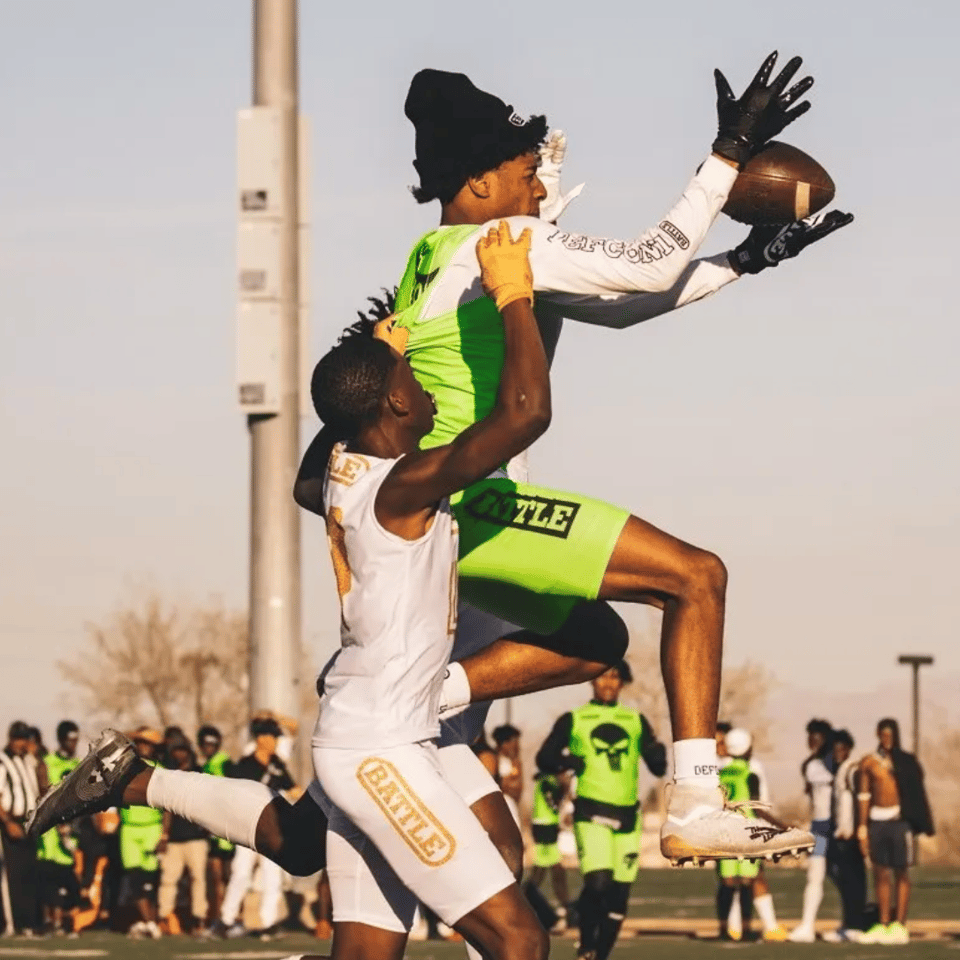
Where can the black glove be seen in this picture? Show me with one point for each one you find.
(766, 246)
(746, 124)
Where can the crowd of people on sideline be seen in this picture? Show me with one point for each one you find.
(150, 873)
(138, 870)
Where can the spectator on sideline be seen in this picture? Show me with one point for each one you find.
(844, 858)
(817, 772)
(218, 763)
(893, 807)
(182, 848)
(265, 766)
(140, 830)
(56, 849)
(509, 767)
(18, 795)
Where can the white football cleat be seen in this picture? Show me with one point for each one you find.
(701, 825)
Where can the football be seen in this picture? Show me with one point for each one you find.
(779, 184)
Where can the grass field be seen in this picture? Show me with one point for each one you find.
(673, 896)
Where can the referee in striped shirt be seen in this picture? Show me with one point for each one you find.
(18, 855)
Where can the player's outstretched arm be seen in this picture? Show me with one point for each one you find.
(768, 246)
(522, 411)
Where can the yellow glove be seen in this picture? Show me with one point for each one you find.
(388, 330)
(505, 265)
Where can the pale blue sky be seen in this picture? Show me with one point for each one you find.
(803, 424)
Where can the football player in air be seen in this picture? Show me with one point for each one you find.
(545, 560)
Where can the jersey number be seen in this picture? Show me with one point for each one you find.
(336, 536)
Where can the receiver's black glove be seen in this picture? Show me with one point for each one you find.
(766, 246)
(746, 124)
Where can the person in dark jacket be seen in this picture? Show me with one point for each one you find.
(893, 807)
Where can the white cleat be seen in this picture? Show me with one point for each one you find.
(701, 825)
(802, 934)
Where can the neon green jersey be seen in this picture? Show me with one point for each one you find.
(58, 766)
(458, 355)
(546, 795)
(607, 737)
(735, 778)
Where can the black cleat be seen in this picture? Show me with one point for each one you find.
(97, 783)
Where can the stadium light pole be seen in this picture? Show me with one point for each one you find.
(269, 343)
(916, 661)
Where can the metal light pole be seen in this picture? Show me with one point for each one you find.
(269, 351)
(916, 661)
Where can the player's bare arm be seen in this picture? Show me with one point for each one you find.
(408, 497)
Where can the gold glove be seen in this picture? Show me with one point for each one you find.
(505, 265)
(388, 330)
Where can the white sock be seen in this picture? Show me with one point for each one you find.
(455, 691)
(695, 761)
(813, 891)
(764, 908)
(735, 921)
(226, 807)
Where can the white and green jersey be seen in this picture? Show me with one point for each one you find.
(455, 344)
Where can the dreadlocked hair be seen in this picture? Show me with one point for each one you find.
(380, 310)
(446, 185)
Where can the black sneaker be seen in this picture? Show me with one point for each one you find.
(96, 783)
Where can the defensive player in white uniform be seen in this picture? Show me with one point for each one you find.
(394, 543)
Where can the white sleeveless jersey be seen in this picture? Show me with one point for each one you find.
(398, 601)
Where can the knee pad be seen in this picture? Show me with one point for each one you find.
(598, 882)
(618, 897)
(594, 631)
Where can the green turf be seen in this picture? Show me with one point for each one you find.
(671, 894)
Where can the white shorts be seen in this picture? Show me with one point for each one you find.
(399, 832)
(463, 770)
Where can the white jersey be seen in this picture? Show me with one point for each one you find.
(612, 283)
(820, 787)
(844, 788)
(398, 601)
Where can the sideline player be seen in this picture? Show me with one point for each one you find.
(743, 884)
(531, 554)
(548, 792)
(893, 806)
(603, 742)
(817, 773)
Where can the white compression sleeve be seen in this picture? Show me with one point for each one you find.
(735, 920)
(764, 907)
(813, 891)
(226, 807)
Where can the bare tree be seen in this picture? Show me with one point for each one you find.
(155, 662)
(744, 691)
(940, 754)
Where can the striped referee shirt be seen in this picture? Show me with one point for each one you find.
(18, 785)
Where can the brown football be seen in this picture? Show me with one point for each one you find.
(779, 184)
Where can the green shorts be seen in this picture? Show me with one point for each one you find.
(601, 848)
(137, 846)
(546, 855)
(747, 869)
(529, 554)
